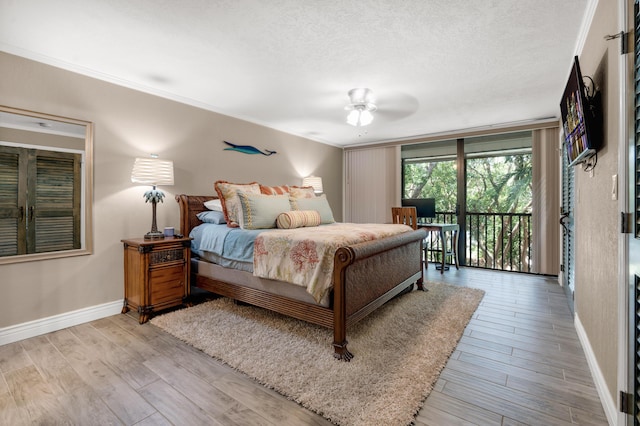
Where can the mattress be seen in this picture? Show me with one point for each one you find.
(226, 254)
(247, 279)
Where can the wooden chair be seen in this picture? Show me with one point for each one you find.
(408, 216)
(405, 215)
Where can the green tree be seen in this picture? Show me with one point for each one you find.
(499, 184)
(432, 179)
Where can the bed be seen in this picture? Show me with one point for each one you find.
(364, 277)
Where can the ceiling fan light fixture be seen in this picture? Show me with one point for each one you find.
(361, 105)
(359, 117)
(353, 117)
(366, 117)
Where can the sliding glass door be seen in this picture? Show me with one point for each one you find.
(485, 185)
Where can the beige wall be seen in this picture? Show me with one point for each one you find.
(596, 215)
(128, 124)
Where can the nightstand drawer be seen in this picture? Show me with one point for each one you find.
(160, 257)
(167, 284)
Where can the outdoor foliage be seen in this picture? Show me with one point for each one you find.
(432, 180)
(499, 197)
(494, 184)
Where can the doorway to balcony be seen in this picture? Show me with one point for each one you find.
(489, 186)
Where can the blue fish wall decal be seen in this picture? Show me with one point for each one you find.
(247, 149)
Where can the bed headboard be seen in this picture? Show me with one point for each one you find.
(190, 206)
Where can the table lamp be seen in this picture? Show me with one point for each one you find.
(153, 171)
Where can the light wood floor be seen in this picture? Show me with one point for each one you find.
(519, 362)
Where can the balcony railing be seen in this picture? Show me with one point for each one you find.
(492, 240)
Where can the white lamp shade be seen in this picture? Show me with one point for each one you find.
(152, 171)
(315, 182)
(360, 117)
(365, 118)
(353, 117)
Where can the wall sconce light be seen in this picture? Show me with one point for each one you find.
(361, 105)
(153, 171)
(315, 182)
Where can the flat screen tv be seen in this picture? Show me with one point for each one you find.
(425, 207)
(580, 113)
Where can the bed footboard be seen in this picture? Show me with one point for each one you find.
(369, 274)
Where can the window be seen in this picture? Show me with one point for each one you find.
(432, 178)
(40, 200)
(499, 183)
(430, 171)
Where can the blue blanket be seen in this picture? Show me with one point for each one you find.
(229, 243)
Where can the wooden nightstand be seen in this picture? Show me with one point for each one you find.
(156, 274)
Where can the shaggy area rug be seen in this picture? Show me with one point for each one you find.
(399, 352)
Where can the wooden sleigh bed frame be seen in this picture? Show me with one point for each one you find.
(365, 276)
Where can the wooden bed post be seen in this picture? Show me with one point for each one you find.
(344, 257)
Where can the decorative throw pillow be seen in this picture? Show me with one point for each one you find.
(302, 191)
(228, 194)
(274, 190)
(319, 204)
(259, 211)
(212, 216)
(298, 219)
(214, 204)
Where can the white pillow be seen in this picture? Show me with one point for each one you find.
(215, 205)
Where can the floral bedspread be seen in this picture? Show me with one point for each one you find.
(304, 256)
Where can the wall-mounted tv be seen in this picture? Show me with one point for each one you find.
(581, 119)
(425, 207)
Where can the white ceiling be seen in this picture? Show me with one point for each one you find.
(435, 66)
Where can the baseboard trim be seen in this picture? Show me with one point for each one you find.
(608, 403)
(41, 326)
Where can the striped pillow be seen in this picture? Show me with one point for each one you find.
(298, 219)
(274, 190)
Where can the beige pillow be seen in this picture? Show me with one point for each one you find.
(228, 194)
(301, 191)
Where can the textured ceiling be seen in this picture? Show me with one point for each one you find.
(435, 66)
